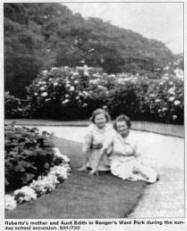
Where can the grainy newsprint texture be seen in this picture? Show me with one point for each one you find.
(92, 126)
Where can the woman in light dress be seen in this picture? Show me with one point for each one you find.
(95, 137)
(124, 161)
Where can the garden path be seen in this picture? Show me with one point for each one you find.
(166, 155)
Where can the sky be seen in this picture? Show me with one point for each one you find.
(161, 21)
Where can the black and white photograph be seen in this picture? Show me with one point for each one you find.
(94, 110)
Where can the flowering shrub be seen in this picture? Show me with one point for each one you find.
(65, 93)
(164, 100)
(156, 100)
(28, 154)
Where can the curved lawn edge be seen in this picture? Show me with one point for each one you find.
(83, 196)
(158, 128)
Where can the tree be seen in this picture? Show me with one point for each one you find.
(42, 35)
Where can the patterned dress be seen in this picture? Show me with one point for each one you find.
(93, 144)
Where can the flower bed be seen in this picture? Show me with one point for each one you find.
(38, 187)
(33, 166)
(28, 154)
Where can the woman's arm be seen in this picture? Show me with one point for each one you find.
(86, 148)
(105, 150)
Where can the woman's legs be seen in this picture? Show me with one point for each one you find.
(133, 171)
(149, 174)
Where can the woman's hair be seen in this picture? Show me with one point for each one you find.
(97, 112)
(122, 118)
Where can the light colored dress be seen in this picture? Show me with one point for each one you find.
(123, 160)
(93, 144)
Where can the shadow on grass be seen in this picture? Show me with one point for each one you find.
(83, 196)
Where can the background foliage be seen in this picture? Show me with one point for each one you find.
(42, 35)
(65, 93)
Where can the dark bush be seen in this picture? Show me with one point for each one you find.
(28, 154)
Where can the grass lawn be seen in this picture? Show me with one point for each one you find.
(164, 129)
(83, 196)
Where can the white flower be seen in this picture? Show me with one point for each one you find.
(55, 84)
(76, 82)
(111, 76)
(179, 73)
(26, 193)
(44, 72)
(44, 94)
(165, 76)
(102, 87)
(90, 50)
(157, 100)
(58, 153)
(68, 85)
(170, 83)
(177, 102)
(172, 90)
(65, 101)
(51, 181)
(174, 117)
(75, 73)
(121, 80)
(68, 82)
(72, 88)
(152, 95)
(10, 202)
(76, 41)
(166, 68)
(35, 93)
(39, 186)
(85, 105)
(96, 75)
(42, 88)
(94, 81)
(66, 96)
(85, 93)
(45, 184)
(46, 100)
(164, 109)
(171, 99)
(60, 171)
(54, 68)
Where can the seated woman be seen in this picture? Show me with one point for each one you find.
(93, 143)
(123, 160)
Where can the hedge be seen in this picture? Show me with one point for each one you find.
(68, 94)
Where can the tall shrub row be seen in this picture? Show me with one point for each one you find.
(65, 93)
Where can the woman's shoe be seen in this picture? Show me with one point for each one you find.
(82, 169)
(94, 172)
